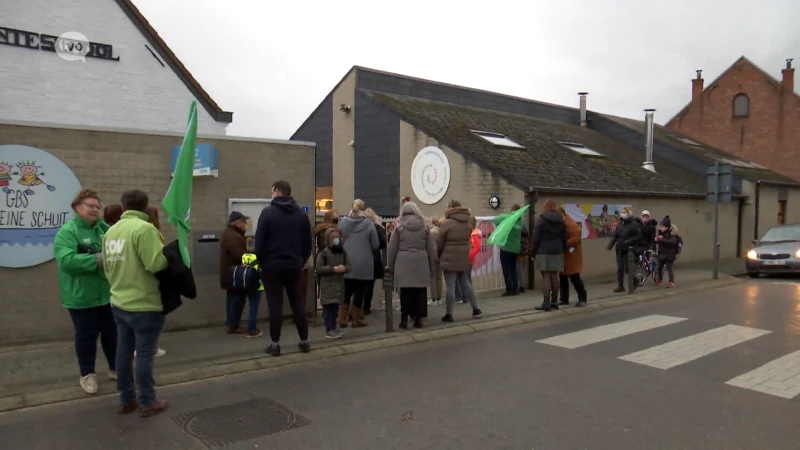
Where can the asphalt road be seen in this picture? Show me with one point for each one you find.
(697, 372)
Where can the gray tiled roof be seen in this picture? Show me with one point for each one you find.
(544, 164)
(704, 152)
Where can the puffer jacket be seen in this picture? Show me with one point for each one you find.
(667, 247)
(453, 240)
(331, 284)
(549, 235)
(411, 256)
(627, 234)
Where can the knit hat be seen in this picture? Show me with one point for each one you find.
(666, 223)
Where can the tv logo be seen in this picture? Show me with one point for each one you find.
(72, 46)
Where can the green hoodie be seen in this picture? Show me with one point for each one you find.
(81, 281)
(514, 242)
(132, 255)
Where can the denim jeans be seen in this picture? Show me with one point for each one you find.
(88, 324)
(453, 278)
(234, 306)
(508, 261)
(330, 314)
(459, 292)
(137, 331)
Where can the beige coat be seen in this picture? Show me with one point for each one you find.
(452, 241)
(411, 254)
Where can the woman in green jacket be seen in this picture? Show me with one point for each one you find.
(85, 292)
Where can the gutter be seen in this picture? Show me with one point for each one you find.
(756, 208)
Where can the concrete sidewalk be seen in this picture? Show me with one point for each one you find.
(33, 371)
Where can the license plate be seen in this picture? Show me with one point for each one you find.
(774, 263)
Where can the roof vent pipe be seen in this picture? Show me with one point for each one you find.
(583, 108)
(649, 132)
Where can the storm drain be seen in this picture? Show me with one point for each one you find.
(250, 419)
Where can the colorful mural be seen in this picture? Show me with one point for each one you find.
(596, 220)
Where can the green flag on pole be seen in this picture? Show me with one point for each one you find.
(178, 201)
(500, 234)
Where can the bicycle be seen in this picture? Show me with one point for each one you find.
(646, 269)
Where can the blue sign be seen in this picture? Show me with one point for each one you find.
(36, 190)
(206, 160)
(306, 209)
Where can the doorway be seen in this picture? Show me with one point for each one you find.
(781, 212)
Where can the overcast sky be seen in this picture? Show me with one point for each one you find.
(273, 62)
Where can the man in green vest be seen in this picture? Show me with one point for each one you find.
(132, 255)
(509, 253)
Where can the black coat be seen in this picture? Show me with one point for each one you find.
(648, 235)
(176, 280)
(627, 234)
(283, 236)
(377, 255)
(549, 235)
(667, 246)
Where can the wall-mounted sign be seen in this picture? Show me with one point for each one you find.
(206, 160)
(36, 189)
(430, 175)
(56, 44)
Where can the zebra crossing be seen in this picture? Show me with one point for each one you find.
(779, 377)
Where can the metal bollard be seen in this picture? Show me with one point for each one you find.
(388, 287)
(631, 272)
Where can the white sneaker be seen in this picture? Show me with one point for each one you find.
(89, 383)
(112, 374)
(159, 353)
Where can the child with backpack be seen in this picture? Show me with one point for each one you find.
(254, 288)
(331, 266)
(667, 243)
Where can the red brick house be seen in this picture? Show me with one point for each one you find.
(748, 113)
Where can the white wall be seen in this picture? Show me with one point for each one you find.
(134, 92)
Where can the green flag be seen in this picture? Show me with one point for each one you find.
(178, 201)
(500, 234)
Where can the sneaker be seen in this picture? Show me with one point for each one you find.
(112, 374)
(128, 407)
(448, 318)
(476, 313)
(431, 302)
(670, 285)
(159, 353)
(89, 383)
(273, 350)
(234, 331)
(580, 304)
(305, 347)
(254, 334)
(333, 334)
(439, 302)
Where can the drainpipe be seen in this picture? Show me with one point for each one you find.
(532, 198)
(755, 223)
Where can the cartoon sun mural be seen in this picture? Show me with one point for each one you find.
(31, 177)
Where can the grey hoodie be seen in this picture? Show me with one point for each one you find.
(360, 241)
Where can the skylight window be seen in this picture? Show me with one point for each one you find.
(581, 149)
(497, 139)
(685, 140)
(743, 164)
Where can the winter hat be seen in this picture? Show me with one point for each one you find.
(666, 223)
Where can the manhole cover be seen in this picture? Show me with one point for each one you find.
(250, 419)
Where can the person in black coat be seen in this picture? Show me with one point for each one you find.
(377, 255)
(667, 242)
(176, 280)
(548, 244)
(626, 237)
(648, 232)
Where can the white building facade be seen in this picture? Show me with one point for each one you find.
(129, 79)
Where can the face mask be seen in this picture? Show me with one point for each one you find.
(336, 242)
(624, 216)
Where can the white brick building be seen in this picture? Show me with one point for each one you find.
(147, 88)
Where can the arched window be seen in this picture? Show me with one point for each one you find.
(741, 105)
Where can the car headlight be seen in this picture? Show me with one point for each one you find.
(797, 254)
(753, 255)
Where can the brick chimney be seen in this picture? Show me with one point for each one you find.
(788, 77)
(697, 86)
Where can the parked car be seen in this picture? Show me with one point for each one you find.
(778, 252)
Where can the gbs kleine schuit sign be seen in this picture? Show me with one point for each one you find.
(36, 190)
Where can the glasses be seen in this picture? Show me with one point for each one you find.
(92, 206)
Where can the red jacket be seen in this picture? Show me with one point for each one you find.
(475, 245)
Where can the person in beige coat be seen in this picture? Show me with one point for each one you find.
(412, 259)
(453, 246)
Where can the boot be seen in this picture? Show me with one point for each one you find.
(545, 306)
(344, 311)
(358, 318)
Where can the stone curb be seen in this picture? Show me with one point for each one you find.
(367, 344)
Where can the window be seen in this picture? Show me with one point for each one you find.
(497, 139)
(741, 105)
(685, 140)
(742, 164)
(581, 149)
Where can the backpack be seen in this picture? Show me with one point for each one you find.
(679, 244)
(245, 278)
